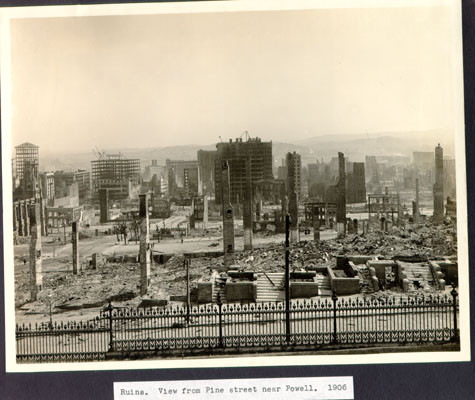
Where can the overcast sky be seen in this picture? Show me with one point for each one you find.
(161, 80)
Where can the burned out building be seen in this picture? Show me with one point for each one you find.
(235, 153)
(63, 180)
(183, 178)
(355, 184)
(206, 170)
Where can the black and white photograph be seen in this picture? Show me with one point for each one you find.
(197, 184)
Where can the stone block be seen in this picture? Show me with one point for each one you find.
(237, 291)
(205, 292)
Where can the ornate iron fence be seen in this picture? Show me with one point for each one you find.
(214, 327)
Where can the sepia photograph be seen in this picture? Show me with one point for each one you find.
(199, 183)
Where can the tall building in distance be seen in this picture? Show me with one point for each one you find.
(206, 170)
(116, 173)
(235, 153)
(294, 172)
(25, 152)
(356, 184)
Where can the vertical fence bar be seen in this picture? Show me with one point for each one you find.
(220, 315)
(334, 299)
(109, 308)
(454, 297)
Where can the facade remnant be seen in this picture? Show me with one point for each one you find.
(36, 275)
(438, 188)
(75, 242)
(341, 197)
(199, 212)
(228, 215)
(247, 208)
(104, 205)
(293, 183)
(144, 251)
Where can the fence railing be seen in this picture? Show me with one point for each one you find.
(214, 327)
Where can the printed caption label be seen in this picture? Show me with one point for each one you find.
(321, 388)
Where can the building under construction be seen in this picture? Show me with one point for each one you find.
(116, 173)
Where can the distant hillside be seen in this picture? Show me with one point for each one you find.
(356, 147)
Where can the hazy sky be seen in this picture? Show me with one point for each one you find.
(138, 81)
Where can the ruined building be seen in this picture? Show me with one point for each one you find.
(293, 163)
(206, 169)
(341, 197)
(63, 180)
(355, 184)
(120, 175)
(183, 178)
(236, 153)
(438, 188)
(228, 214)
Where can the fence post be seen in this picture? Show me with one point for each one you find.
(109, 308)
(334, 299)
(454, 297)
(220, 314)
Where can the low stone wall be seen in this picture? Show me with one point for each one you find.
(343, 285)
(303, 289)
(236, 291)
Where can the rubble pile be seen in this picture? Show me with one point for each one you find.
(119, 283)
(271, 257)
(428, 240)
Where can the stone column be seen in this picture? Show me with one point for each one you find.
(417, 213)
(26, 218)
(316, 228)
(293, 197)
(75, 242)
(438, 187)
(36, 276)
(228, 216)
(104, 205)
(247, 208)
(341, 197)
(144, 251)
